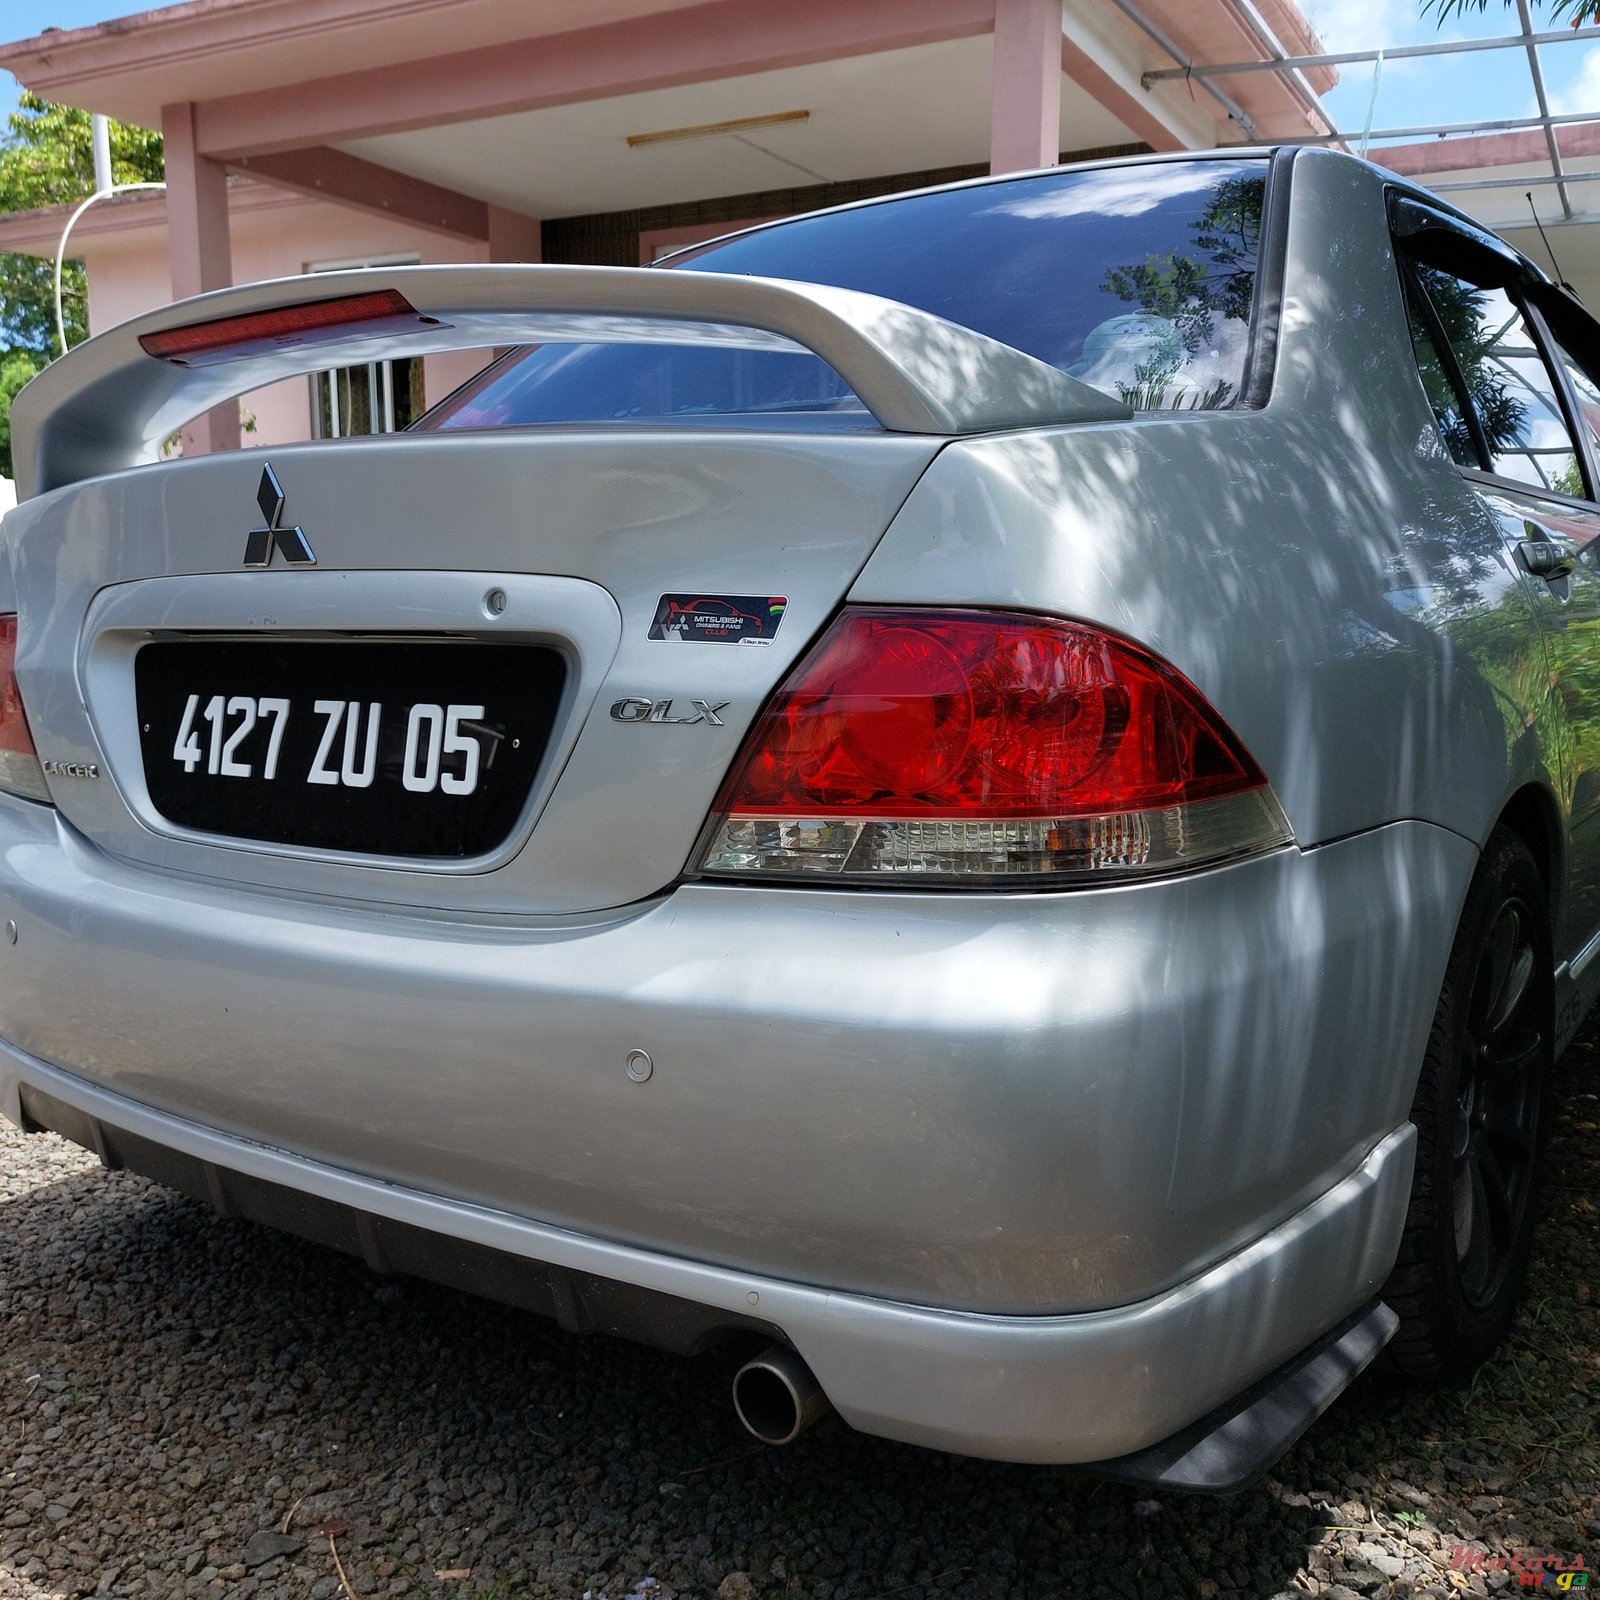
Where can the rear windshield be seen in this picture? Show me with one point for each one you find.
(1136, 279)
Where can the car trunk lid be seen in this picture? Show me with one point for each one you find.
(497, 669)
(520, 576)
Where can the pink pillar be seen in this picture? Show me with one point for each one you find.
(1025, 102)
(199, 250)
(513, 236)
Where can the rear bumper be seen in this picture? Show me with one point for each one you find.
(1078, 1388)
(1039, 1177)
(1003, 1104)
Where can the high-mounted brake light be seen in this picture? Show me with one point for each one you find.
(20, 772)
(975, 745)
(203, 344)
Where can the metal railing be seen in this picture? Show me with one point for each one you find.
(1209, 77)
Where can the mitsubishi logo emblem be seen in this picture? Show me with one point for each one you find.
(261, 542)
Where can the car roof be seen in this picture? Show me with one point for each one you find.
(1147, 158)
(984, 180)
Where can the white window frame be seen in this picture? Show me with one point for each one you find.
(380, 374)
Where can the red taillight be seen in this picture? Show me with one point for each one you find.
(20, 772)
(989, 744)
(289, 327)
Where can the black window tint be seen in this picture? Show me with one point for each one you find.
(1586, 392)
(1438, 384)
(1137, 279)
(1511, 389)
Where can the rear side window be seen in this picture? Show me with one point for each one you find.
(1584, 391)
(1512, 391)
(1139, 280)
(1440, 383)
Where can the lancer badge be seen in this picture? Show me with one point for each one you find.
(260, 543)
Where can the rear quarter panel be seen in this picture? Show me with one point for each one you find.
(1320, 570)
(1316, 567)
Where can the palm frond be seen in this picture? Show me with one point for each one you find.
(1574, 12)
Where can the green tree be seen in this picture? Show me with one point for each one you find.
(16, 367)
(1192, 288)
(1576, 12)
(47, 159)
(1460, 308)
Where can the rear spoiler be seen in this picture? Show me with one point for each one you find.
(110, 402)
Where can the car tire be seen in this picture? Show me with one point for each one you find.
(1479, 1118)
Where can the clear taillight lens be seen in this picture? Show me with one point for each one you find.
(20, 772)
(986, 746)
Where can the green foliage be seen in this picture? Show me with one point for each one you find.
(1571, 481)
(28, 299)
(1442, 398)
(1229, 232)
(1191, 291)
(1171, 286)
(1152, 381)
(47, 155)
(1575, 12)
(47, 159)
(16, 367)
(1460, 307)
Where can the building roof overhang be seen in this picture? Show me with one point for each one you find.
(248, 54)
(135, 218)
(129, 67)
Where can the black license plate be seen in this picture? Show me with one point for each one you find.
(389, 748)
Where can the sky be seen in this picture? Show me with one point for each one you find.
(1490, 84)
(21, 19)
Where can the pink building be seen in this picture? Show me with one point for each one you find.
(304, 134)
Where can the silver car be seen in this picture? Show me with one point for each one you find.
(993, 795)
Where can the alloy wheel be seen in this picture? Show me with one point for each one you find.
(1497, 1111)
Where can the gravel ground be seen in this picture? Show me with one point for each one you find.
(176, 1389)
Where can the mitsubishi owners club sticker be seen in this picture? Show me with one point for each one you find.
(718, 618)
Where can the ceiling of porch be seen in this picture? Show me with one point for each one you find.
(901, 110)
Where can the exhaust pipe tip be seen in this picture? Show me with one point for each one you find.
(777, 1397)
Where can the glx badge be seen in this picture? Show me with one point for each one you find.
(661, 711)
(261, 542)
